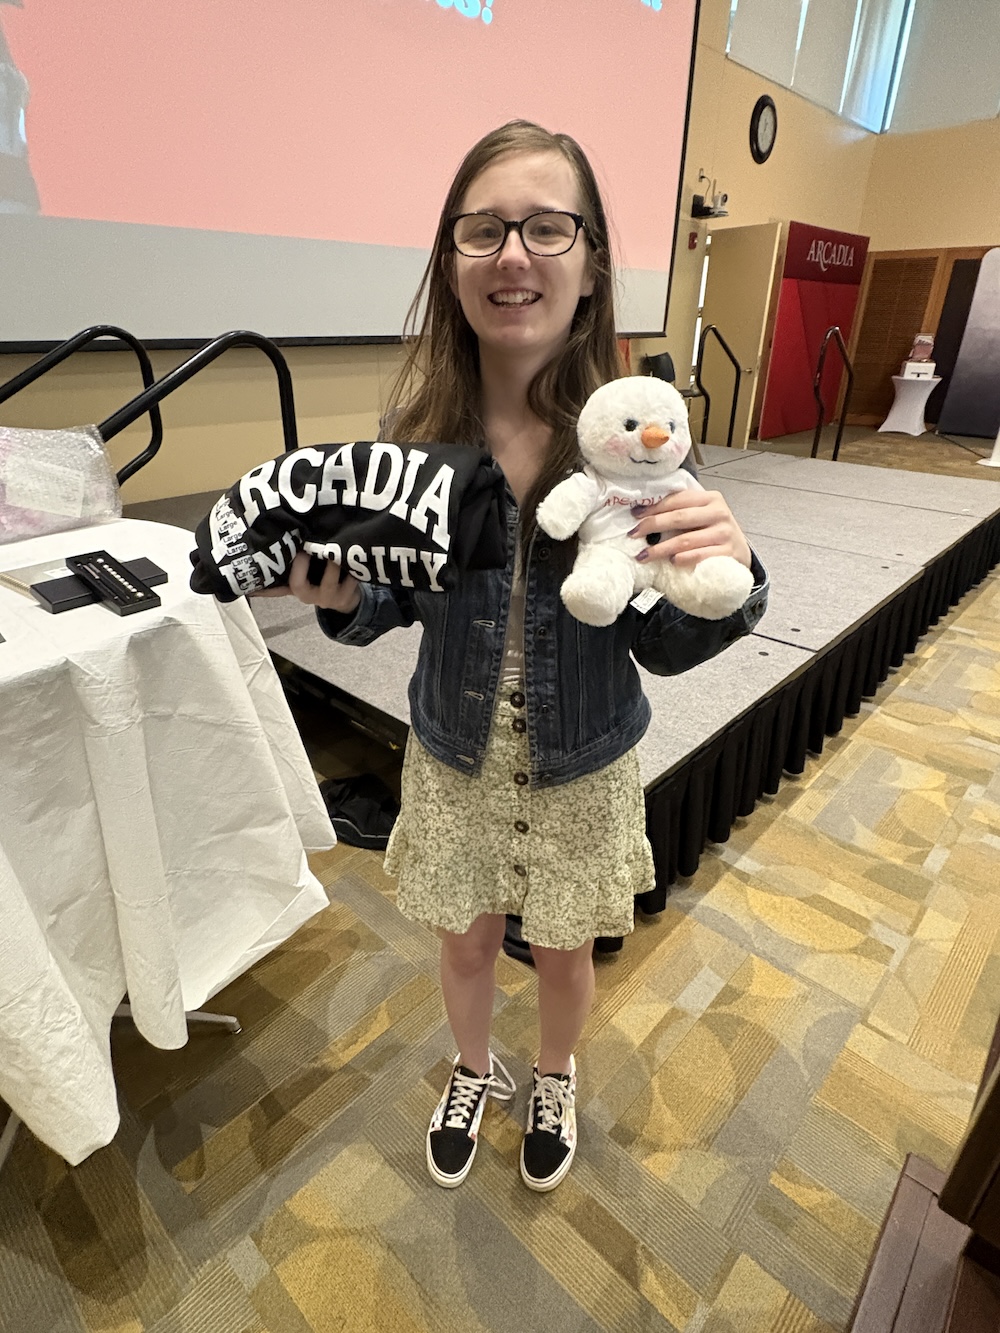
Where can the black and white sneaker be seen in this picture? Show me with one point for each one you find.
(550, 1139)
(451, 1138)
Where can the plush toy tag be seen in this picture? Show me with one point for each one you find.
(646, 599)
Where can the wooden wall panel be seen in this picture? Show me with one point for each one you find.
(902, 294)
(898, 292)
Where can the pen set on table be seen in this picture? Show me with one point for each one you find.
(112, 582)
(56, 590)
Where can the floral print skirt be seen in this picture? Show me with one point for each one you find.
(568, 860)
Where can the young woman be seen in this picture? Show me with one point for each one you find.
(521, 789)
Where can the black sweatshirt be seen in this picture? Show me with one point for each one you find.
(403, 515)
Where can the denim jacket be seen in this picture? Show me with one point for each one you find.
(584, 699)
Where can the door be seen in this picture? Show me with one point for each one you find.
(737, 297)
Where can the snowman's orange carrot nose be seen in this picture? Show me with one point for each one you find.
(653, 436)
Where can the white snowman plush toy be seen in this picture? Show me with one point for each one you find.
(633, 435)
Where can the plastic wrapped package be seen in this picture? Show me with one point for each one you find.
(54, 480)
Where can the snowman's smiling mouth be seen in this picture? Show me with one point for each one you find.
(514, 297)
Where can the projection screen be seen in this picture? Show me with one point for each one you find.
(185, 168)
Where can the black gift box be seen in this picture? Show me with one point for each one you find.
(64, 594)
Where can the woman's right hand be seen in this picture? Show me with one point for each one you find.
(331, 594)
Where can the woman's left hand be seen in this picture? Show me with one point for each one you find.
(689, 526)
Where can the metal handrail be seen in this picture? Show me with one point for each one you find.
(204, 355)
(712, 328)
(834, 333)
(71, 345)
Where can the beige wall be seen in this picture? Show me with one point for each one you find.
(818, 172)
(819, 169)
(939, 188)
(936, 188)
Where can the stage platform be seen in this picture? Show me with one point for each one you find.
(862, 561)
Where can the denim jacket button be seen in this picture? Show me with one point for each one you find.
(519, 724)
(520, 825)
(521, 779)
(517, 699)
(544, 552)
(541, 632)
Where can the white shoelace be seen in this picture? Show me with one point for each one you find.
(466, 1091)
(502, 1086)
(554, 1099)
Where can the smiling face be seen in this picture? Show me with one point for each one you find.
(521, 306)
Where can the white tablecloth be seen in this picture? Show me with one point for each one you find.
(155, 803)
(906, 416)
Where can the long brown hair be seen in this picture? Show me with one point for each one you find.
(438, 394)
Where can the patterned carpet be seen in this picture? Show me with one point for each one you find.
(813, 1005)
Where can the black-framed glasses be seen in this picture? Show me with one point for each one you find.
(478, 235)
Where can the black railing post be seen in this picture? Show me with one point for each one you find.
(711, 328)
(834, 333)
(71, 345)
(203, 357)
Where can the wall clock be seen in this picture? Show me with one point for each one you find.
(763, 128)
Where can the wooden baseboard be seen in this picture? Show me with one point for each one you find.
(919, 1280)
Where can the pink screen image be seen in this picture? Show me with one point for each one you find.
(342, 119)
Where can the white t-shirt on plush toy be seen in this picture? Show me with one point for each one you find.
(612, 502)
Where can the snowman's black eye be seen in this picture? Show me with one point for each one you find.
(631, 424)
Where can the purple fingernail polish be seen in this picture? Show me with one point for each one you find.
(632, 531)
(643, 555)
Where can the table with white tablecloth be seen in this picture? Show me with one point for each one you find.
(156, 805)
(906, 416)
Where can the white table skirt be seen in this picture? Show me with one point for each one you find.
(906, 416)
(155, 807)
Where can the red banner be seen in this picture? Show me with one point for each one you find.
(820, 284)
(815, 254)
